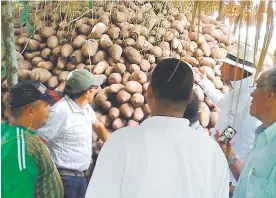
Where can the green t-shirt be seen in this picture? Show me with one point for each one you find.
(26, 166)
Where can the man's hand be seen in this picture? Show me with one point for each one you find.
(100, 130)
(231, 190)
(226, 148)
(198, 76)
(230, 155)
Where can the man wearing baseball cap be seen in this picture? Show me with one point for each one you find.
(238, 74)
(68, 132)
(27, 168)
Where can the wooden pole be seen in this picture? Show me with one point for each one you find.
(8, 39)
(221, 11)
(274, 62)
(239, 18)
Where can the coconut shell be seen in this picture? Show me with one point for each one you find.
(33, 45)
(84, 29)
(53, 82)
(37, 60)
(105, 41)
(46, 53)
(66, 50)
(90, 48)
(114, 32)
(48, 31)
(63, 76)
(43, 75)
(45, 65)
(23, 74)
(76, 57)
(60, 87)
(79, 41)
(57, 51)
(52, 42)
(115, 52)
(70, 66)
(98, 30)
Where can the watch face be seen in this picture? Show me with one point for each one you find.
(229, 133)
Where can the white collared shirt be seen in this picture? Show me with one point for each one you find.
(162, 157)
(68, 133)
(196, 126)
(235, 111)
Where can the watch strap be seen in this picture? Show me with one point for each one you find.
(233, 160)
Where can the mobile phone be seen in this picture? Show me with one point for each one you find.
(228, 134)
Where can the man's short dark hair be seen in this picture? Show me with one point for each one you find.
(172, 79)
(17, 111)
(191, 112)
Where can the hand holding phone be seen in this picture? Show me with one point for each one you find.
(227, 135)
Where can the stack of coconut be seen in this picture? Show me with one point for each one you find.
(123, 41)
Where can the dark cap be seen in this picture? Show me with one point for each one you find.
(26, 92)
(172, 79)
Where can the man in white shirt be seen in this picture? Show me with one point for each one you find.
(191, 113)
(234, 106)
(162, 157)
(68, 132)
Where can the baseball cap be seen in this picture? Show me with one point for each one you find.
(26, 92)
(237, 59)
(80, 80)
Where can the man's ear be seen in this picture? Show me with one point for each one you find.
(149, 91)
(271, 95)
(87, 93)
(29, 109)
(191, 96)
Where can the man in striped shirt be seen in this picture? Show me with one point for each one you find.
(27, 168)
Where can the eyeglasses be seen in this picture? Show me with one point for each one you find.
(254, 87)
(94, 87)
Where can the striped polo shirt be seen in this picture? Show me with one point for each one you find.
(26, 166)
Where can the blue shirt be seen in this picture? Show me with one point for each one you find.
(258, 175)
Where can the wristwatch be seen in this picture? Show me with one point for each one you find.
(233, 160)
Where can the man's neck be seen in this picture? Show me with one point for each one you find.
(167, 112)
(269, 121)
(81, 102)
(21, 122)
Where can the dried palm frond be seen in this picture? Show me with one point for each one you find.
(268, 37)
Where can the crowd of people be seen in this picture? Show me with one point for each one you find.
(47, 141)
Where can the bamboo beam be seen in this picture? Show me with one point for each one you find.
(8, 38)
(239, 18)
(268, 37)
(221, 16)
(274, 63)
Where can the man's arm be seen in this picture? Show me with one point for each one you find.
(235, 164)
(210, 90)
(51, 128)
(100, 130)
(107, 175)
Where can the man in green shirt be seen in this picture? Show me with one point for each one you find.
(26, 166)
(257, 176)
